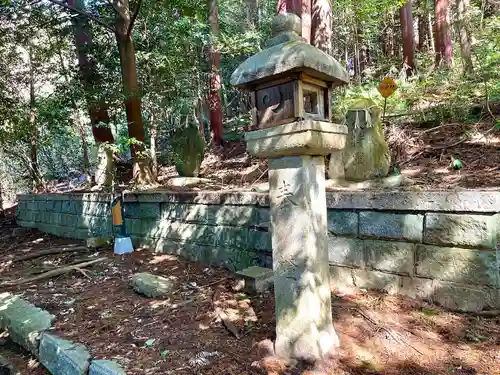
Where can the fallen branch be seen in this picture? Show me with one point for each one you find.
(227, 322)
(386, 330)
(52, 273)
(42, 253)
(224, 318)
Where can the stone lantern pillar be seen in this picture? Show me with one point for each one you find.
(290, 84)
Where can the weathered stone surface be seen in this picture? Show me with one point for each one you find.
(152, 285)
(304, 327)
(342, 223)
(432, 201)
(461, 230)
(390, 256)
(454, 296)
(257, 279)
(187, 181)
(366, 155)
(391, 226)
(142, 211)
(307, 137)
(63, 357)
(458, 265)
(368, 279)
(105, 367)
(342, 277)
(260, 240)
(345, 251)
(24, 321)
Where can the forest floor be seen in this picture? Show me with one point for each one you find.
(181, 335)
(422, 154)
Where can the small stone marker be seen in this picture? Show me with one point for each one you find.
(96, 242)
(105, 367)
(63, 357)
(256, 279)
(151, 285)
(23, 321)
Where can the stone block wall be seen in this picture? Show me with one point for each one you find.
(442, 246)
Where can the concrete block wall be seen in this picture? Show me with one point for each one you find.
(442, 246)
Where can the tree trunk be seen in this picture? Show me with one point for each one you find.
(422, 27)
(36, 178)
(388, 36)
(306, 15)
(431, 36)
(322, 25)
(406, 20)
(142, 172)
(443, 36)
(98, 113)
(289, 6)
(214, 81)
(79, 126)
(464, 35)
(252, 14)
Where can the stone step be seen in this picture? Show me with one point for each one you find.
(23, 321)
(256, 279)
(63, 357)
(105, 367)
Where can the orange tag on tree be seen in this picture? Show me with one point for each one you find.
(387, 87)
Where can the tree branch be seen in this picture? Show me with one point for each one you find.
(134, 16)
(83, 13)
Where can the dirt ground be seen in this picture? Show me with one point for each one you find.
(180, 334)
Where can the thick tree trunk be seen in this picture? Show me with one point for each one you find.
(444, 52)
(406, 20)
(289, 6)
(322, 25)
(464, 35)
(142, 172)
(306, 15)
(98, 113)
(214, 81)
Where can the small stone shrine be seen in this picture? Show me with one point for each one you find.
(290, 84)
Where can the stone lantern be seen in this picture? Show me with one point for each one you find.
(290, 83)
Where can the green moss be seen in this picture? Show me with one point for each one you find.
(189, 149)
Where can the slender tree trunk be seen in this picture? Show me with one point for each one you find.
(322, 25)
(79, 126)
(406, 20)
(431, 34)
(252, 14)
(215, 81)
(422, 27)
(36, 179)
(464, 35)
(98, 113)
(444, 50)
(142, 172)
(388, 36)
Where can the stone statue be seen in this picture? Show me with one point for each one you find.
(366, 155)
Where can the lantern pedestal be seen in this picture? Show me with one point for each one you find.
(304, 327)
(290, 85)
